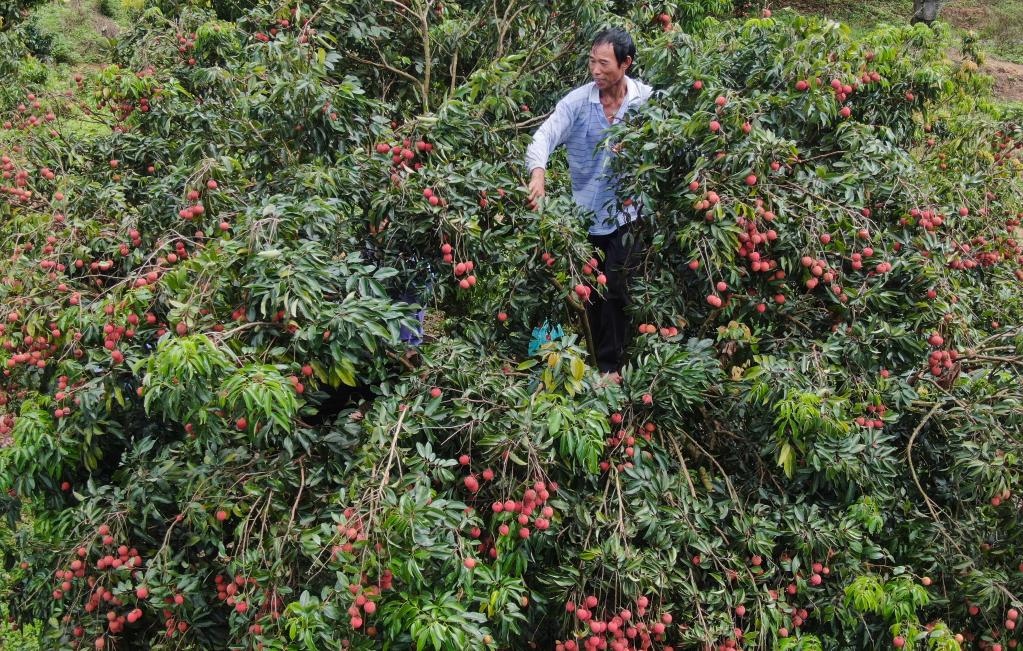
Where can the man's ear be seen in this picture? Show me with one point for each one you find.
(627, 63)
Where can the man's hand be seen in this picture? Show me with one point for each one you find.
(536, 187)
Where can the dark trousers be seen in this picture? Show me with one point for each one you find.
(606, 314)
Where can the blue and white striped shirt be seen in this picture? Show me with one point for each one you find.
(579, 123)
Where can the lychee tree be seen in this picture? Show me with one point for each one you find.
(218, 431)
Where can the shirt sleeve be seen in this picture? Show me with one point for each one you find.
(551, 133)
(644, 94)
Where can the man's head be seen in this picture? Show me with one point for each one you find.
(611, 56)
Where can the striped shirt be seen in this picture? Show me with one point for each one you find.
(579, 123)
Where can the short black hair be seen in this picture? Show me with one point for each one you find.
(620, 40)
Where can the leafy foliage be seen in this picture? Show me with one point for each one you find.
(217, 432)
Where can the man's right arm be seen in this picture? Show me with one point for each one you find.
(547, 138)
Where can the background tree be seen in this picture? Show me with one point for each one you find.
(926, 11)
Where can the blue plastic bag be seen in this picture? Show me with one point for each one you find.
(544, 334)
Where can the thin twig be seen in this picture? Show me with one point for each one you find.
(294, 506)
(912, 469)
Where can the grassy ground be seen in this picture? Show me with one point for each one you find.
(996, 22)
(77, 30)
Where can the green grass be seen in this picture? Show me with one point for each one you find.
(1000, 29)
(75, 28)
(996, 22)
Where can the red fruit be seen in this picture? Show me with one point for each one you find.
(648, 399)
(715, 126)
(241, 423)
(241, 606)
(524, 532)
(825, 238)
(181, 329)
(751, 180)
(463, 460)
(471, 484)
(740, 610)
(720, 100)
(783, 632)
(502, 316)
(221, 515)
(898, 642)
(698, 84)
(469, 563)
(714, 301)
(801, 85)
(1013, 614)
(142, 592)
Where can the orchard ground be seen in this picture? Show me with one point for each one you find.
(995, 22)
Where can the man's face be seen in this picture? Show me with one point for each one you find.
(604, 68)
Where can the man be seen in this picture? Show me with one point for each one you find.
(579, 122)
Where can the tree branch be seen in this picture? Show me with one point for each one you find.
(385, 66)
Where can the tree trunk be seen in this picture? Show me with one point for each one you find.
(926, 11)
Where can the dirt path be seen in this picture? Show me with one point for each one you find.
(1008, 78)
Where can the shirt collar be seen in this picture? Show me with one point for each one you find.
(631, 91)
